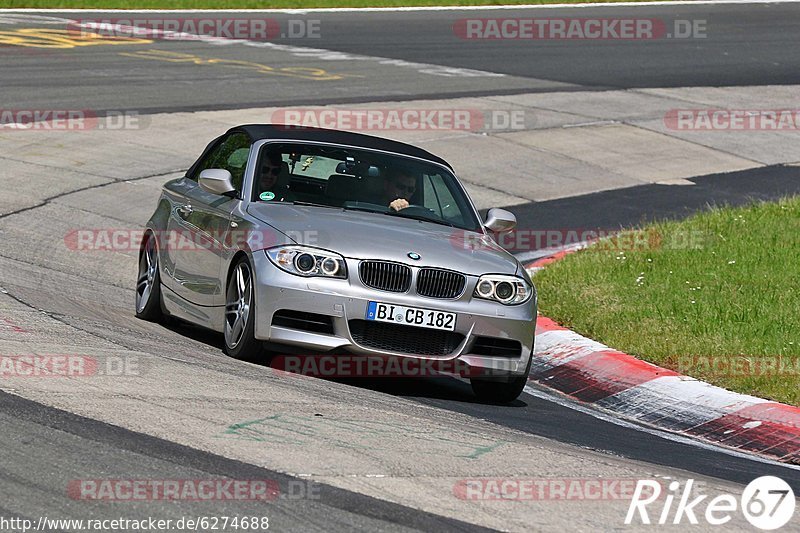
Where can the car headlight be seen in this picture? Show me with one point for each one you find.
(308, 262)
(508, 290)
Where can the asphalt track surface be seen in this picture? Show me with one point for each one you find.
(623, 208)
(747, 45)
(717, 59)
(70, 442)
(742, 45)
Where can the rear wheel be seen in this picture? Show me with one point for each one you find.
(500, 391)
(240, 341)
(148, 283)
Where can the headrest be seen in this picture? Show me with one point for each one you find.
(344, 187)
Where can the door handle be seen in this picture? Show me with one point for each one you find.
(185, 210)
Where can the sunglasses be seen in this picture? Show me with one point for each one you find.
(272, 170)
(406, 188)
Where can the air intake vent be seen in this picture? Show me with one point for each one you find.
(436, 283)
(493, 346)
(385, 276)
(404, 339)
(312, 322)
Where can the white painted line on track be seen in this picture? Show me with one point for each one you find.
(675, 437)
(410, 8)
(321, 54)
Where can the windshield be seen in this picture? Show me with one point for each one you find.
(361, 180)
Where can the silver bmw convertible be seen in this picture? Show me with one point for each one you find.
(302, 240)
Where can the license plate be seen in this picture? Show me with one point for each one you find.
(411, 316)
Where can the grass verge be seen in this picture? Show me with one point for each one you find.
(716, 296)
(274, 4)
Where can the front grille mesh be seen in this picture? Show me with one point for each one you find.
(404, 339)
(436, 283)
(385, 276)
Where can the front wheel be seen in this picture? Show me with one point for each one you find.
(500, 392)
(148, 283)
(240, 341)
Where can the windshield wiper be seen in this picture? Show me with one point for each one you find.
(421, 217)
(348, 208)
(364, 209)
(311, 204)
(390, 213)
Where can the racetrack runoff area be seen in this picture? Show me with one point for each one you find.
(201, 415)
(63, 300)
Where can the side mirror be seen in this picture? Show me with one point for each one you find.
(217, 181)
(500, 220)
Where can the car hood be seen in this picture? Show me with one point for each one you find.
(360, 235)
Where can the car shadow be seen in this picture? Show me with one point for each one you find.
(195, 333)
(433, 388)
(446, 388)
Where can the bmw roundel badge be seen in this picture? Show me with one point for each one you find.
(414, 255)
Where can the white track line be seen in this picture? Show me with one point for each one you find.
(420, 8)
(565, 402)
(321, 54)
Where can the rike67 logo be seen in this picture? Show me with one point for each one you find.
(767, 503)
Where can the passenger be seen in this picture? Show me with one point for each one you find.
(273, 179)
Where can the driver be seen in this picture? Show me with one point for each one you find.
(398, 187)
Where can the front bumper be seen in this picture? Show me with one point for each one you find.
(347, 300)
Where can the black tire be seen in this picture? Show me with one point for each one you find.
(148, 283)
(500, 392)
(241, 344)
